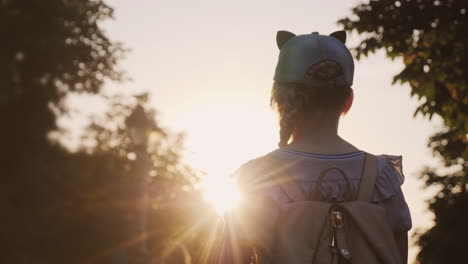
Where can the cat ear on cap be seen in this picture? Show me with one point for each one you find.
(282, 37)
(339, 35)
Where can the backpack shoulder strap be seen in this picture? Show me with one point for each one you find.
(369, 175)
(286, 182)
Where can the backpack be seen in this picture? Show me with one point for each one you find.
(309, 230)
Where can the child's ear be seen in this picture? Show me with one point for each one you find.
(349, 103)
(282, 37)
(339, 35)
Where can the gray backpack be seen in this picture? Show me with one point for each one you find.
(312, 231)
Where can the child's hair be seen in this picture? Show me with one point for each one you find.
(293, 99)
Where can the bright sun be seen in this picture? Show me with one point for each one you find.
(219, 152)
(221, 193)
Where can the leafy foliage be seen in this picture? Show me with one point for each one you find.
(430, 37)
(82, 207)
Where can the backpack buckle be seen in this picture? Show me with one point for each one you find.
(339, 243)
(336, 218)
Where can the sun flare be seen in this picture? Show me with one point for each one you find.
(221, 193)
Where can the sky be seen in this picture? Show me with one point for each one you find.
(208, 66)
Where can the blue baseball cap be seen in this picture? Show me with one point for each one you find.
(302, 58)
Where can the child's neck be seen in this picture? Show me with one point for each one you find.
(320, 135)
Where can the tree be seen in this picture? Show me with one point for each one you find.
(130, 172)
(49, 49)
(430, 37)
(179, 224)
(63, 207)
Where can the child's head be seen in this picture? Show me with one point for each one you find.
(314, 74)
